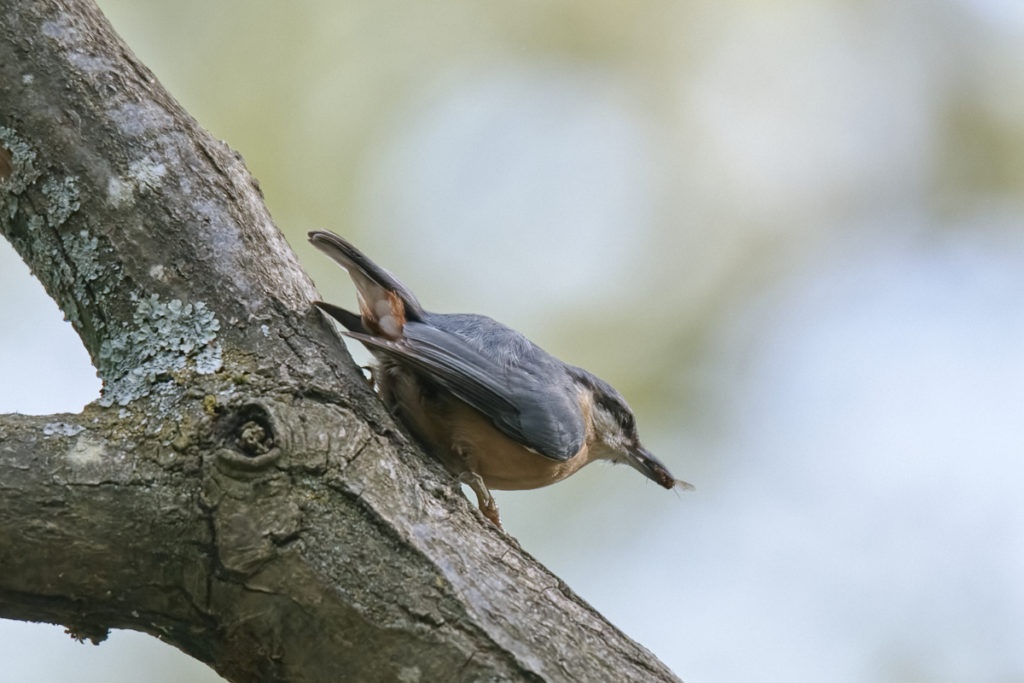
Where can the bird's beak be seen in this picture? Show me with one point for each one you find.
(646, 464)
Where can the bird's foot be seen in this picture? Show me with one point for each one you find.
(485, 501)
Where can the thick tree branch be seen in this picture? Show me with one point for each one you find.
(237, 491)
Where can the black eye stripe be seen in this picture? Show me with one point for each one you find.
(607, 399)
(622, 414)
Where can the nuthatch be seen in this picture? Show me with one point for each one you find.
(496, 409)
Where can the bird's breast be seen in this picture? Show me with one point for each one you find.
(464, 440)
(503, 463)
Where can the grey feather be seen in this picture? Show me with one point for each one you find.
(347, 318)
(498, 371)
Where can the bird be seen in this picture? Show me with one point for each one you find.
(497, 410)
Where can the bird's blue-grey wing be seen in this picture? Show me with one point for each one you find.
(528, 405)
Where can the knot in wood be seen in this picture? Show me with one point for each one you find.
(253, 439)
(247, 437)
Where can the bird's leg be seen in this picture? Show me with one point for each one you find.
(483, 496)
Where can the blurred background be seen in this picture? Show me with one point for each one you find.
(791, 233)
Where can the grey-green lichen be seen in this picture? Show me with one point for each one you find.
(61, 429)
(80, 265)
(61, 199)
(163, 337)
(83, 249)
(23, 170)
(91, 275)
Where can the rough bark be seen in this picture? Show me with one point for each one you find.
(237, 491)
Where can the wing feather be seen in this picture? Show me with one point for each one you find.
(526, 404)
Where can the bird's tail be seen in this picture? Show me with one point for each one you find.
(384, 303)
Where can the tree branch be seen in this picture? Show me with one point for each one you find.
(237, 491)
